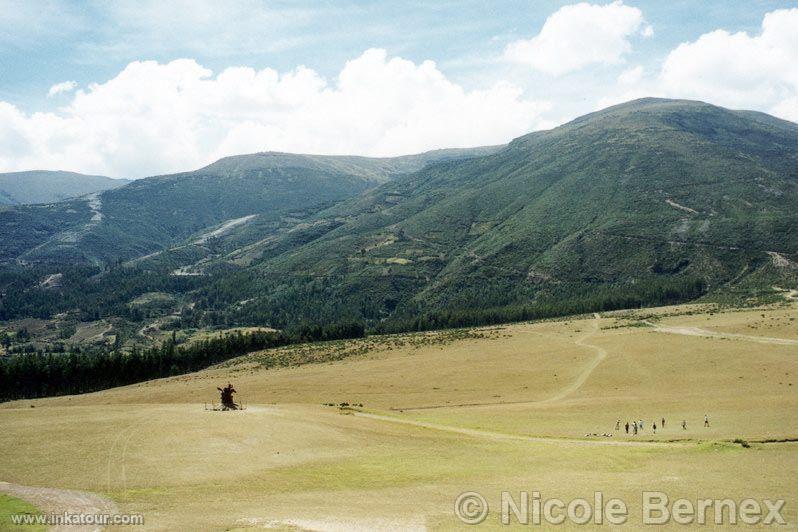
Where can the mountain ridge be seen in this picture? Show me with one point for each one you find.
(522, 221)
(649, 202)
(149, 214)
(49, 186)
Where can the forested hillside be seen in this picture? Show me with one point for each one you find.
(649, 202)
(268, 189)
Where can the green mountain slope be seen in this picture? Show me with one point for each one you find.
(649, 202)
(148, 215)
(42, 186)
(668, 195)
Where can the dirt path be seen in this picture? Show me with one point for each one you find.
(498, 436)
(101, 335)
(601, 354)
(55, 501)
(698, 331)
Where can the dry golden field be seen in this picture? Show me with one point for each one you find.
(507, 408)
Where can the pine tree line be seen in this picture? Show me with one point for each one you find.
(25, 376)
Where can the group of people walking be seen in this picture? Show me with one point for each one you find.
(633, 427)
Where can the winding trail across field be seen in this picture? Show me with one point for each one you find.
(499, 436)
(698, 331)
(580, 380)
(56, 501)
(601, 354)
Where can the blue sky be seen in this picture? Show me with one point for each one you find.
(87, 42)
(490, 58)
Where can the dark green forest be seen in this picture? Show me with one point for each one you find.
(78, 371)
(74, 371)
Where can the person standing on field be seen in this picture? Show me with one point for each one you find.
(684, 424)
(654, 426)
(706, 420)
(618, 425)
(663, 423)
(627, 427)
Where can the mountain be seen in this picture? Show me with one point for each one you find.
(649, 202)
(42, 186)
(267, 190)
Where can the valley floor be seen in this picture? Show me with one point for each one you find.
(507, 408)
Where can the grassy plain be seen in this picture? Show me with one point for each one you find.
(486, 410)
(12, 506)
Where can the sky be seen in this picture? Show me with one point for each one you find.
(133, 89)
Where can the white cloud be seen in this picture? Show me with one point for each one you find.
(64, 86)
(156, 118)
(579, 35)
(630, 76)
(739, 70)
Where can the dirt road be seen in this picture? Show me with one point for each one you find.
(498, 436)
(698, 331)
(56, 501)
(601, 354)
